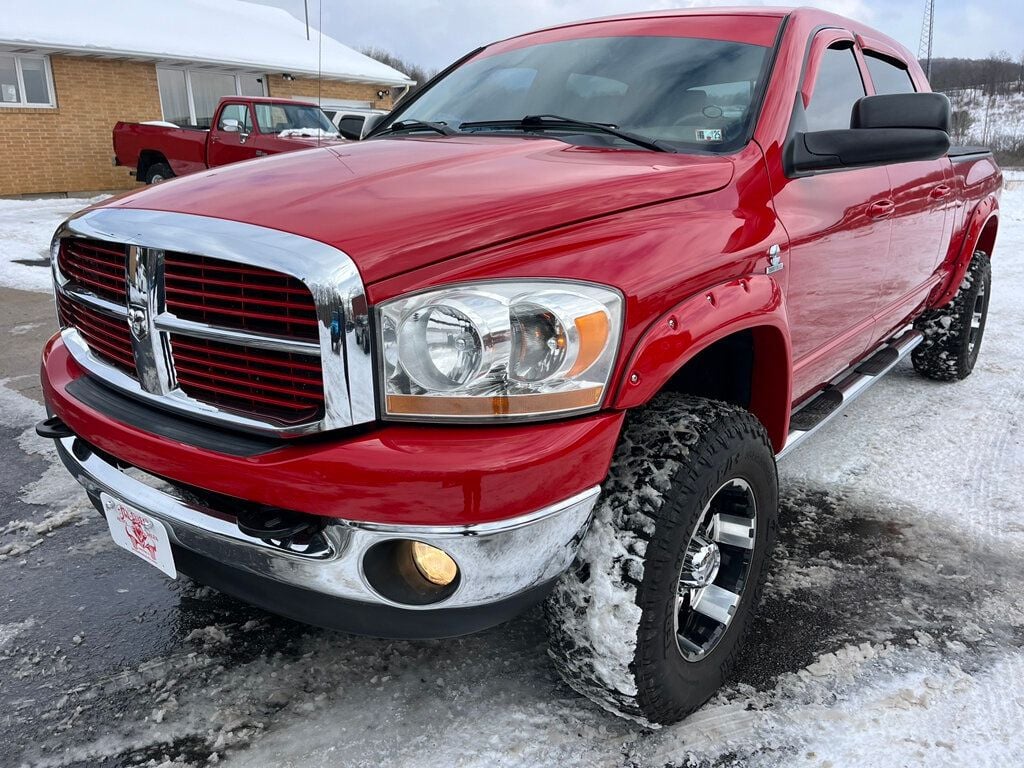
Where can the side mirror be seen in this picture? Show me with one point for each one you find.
(371, 122)
(896, 128)
(928, 111)
(861, 147)
(230, 126)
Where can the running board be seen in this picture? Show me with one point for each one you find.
(846, 388)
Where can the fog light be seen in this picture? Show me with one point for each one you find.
(433, 564)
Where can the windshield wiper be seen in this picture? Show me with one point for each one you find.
(533, 122)
(419, 125)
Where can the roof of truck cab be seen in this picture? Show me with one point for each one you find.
(803, 16)
(271, 100)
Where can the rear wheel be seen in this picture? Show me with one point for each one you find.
(650, 620)
(953, 333)
(159, 172)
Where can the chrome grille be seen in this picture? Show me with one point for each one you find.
(235, 296)
(228, 322)
(106, 335)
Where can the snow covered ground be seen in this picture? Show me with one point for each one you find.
(891, 634)
(26, 227)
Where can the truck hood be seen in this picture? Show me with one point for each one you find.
(399, 204)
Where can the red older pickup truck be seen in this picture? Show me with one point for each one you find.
(543, 335)
(242, 128)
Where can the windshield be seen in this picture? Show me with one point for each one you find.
(692, 93)
(294, 120)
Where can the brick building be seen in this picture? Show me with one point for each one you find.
(69, 70)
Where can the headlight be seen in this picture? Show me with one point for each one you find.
(498, 350)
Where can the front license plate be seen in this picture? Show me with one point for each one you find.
(141, 534)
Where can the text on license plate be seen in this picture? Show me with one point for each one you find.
(141, 534)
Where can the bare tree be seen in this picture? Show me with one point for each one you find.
(415, 72)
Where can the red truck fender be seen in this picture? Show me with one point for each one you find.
(980, 233)
(754, 303)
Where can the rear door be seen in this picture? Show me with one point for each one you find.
(231, 146)
(839, 224)
(923, 193)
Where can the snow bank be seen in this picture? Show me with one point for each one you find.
(54, 500)
(869, 710)
(26, 227)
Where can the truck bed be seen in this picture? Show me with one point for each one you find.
(184, 148)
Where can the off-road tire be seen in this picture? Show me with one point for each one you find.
(611, 617)
(946, 354)
(158, 172)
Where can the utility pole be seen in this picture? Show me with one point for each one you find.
(305, 5)
(924, 48)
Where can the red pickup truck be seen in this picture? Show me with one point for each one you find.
(242, 128)
(544, 334)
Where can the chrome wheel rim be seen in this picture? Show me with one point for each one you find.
(977, 319)
(715, 569)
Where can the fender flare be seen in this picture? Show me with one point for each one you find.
(147, 158)
(983, 214)
(752, 302)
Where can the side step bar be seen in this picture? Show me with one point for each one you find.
(846, 388)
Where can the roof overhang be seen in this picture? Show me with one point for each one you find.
(15, 46)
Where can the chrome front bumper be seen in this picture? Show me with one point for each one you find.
(497, 561)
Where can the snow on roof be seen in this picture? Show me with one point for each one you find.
(230, 33)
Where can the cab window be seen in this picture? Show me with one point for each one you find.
(887, 75)
(239, 112)
(837, 89)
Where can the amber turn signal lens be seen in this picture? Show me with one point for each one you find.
(496, 405)
(593, 329)
(433, 564)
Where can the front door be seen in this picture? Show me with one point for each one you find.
(231, 146)
(839, 225)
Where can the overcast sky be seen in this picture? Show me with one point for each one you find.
(433, 33)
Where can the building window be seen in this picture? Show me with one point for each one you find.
(189, 97)
(174, 96)
(25, 81)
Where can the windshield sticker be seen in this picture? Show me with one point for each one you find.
(710, 134)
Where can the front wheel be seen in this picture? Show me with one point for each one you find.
(651, 619)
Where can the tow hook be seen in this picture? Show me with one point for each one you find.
(278, 525)
(53, 429)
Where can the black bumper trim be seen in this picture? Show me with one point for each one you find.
(132, 412)
(358, 618)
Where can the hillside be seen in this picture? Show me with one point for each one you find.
(987, 96)
(990, 119)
